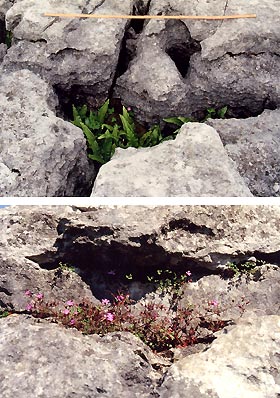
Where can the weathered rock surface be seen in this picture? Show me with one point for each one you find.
(174, 59)
(47, 360)
(128, 239)
(87, 49)
(160, 69)
(253, 144)
(233, 366)
(41, 155)
(3, 51)
(25, 234)
(260, 290)
(194, 164)
(36, 355)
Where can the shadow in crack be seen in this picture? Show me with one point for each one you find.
(179, 45)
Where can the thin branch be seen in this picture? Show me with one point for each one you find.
(102, 16)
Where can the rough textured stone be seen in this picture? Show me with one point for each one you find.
(260, 289)
(25, 235)
(232, 367)
(34, 240)
(160, 69)
(4, 7)
(37, 355)
(87, 49)
(194, 164)
(170, 73)
(3, 51)
(41, 155)
(47, 360)
(253, 144)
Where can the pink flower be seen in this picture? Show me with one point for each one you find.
(129, 109)
(70, 303)
(72, 322)
(29, 306)
(120, 297)
(39, 296)
(109, 316)
(188, 273)
(214, 302)
(28, 293)
(105, 302)
(66, 311)
(112, 272)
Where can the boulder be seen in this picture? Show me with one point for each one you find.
(70, 53)
(26, 234)
(186, 67)
(47, 360)
(253, 145)
(41, 155)
(194, 164)
(233, 366)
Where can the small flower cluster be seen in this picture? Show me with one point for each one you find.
(159, 326)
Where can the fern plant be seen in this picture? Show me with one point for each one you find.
(105, 130)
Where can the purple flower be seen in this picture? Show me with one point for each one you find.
(28, 293)
(70, 303)
(72, 322)
(109, 316)
(188, 273)
(66, 311)
(105, 302)
(39, 296)
(112, 272)
(29, 307)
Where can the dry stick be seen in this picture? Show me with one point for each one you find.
(97, 16)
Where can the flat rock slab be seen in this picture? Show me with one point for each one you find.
(253, 144)
(46, 360)
(194, 164)
(244, 362)
(40, 154)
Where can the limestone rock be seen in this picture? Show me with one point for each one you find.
(4, 6)
(194, 164)
(41, 155)
(3, 51)
(232, 367)
(253, 144)
(174, 60)
(245, 353)
(47, 360)
(25, 235)
(87, 49)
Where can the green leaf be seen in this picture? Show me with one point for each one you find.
(102, 112)
(174, 120)
(97, 158)
(132, 140)
(185, 119)
(76, 116)
(222, 112)
(83, 111)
